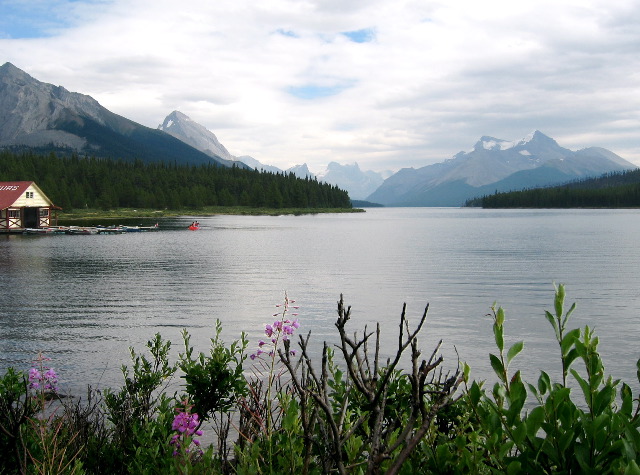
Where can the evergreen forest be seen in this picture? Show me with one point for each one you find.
(76, 182)
(612, 190)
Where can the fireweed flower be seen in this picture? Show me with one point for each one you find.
(278, 333)
(186, 426)
(280, 330)
(41, 377)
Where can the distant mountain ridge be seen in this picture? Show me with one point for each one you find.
(359, 184)
(495, 165)
(34, 114)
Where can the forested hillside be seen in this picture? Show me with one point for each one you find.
(76, 182)
(613, 190)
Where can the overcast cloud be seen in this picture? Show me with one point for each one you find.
(385, 83)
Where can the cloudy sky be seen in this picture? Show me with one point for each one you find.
(384, 83)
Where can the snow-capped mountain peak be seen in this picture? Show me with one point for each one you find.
(495, 165)
(492, 143)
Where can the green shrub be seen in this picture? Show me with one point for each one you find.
(352, 414)
(594, 430)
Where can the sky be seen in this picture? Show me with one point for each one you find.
(387, 84)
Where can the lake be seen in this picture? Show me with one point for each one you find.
(83, 300)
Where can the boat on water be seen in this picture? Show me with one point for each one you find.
(47, 230)
(137, 229)
(81, 230)
(109, 229)
(91, 229)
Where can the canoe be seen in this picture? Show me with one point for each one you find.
(81, 230)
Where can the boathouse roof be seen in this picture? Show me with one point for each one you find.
(11, 191)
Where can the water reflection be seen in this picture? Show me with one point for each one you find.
(84, 300)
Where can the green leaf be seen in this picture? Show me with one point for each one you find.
(500, 316)
(466, 371)
(568, 340)
(582, 456)
(632, 468)
(505, 449)
(550, 318)
(626, 396)
(519, 433)
(571, 357)
(586, 389)
(559, 301)
(534, 420)
(515, 349)
(600, 431)
(544, 383)
(514, 467)
(498, 367)
(498, 333)
(568, 314)
(475, 393)
(603, 399)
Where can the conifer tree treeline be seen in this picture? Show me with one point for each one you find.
(76, 182)
(612, 190)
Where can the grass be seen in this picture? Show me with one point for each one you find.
(124, 213)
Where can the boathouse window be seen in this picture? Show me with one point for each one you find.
(14, 213)
(29, 194)
(44, 212)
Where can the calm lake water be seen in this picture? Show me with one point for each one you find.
(83, 300)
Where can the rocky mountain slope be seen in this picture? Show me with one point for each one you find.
(39, 115)
(183, 128)
(495, 165)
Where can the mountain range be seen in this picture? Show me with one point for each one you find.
(495, 165)
(41, 116)
(492, 165)
(358, 183)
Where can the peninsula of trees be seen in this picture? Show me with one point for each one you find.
(612, 190)
(83, 182)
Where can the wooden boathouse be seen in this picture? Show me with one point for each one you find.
(23, 205)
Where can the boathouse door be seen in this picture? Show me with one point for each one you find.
(30, 218)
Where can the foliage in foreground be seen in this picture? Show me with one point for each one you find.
(274, 410)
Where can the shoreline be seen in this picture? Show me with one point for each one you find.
(129, 213)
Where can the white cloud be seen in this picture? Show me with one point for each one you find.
(279, 80)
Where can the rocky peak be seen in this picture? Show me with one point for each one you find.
(190, 132)
(8, 70)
